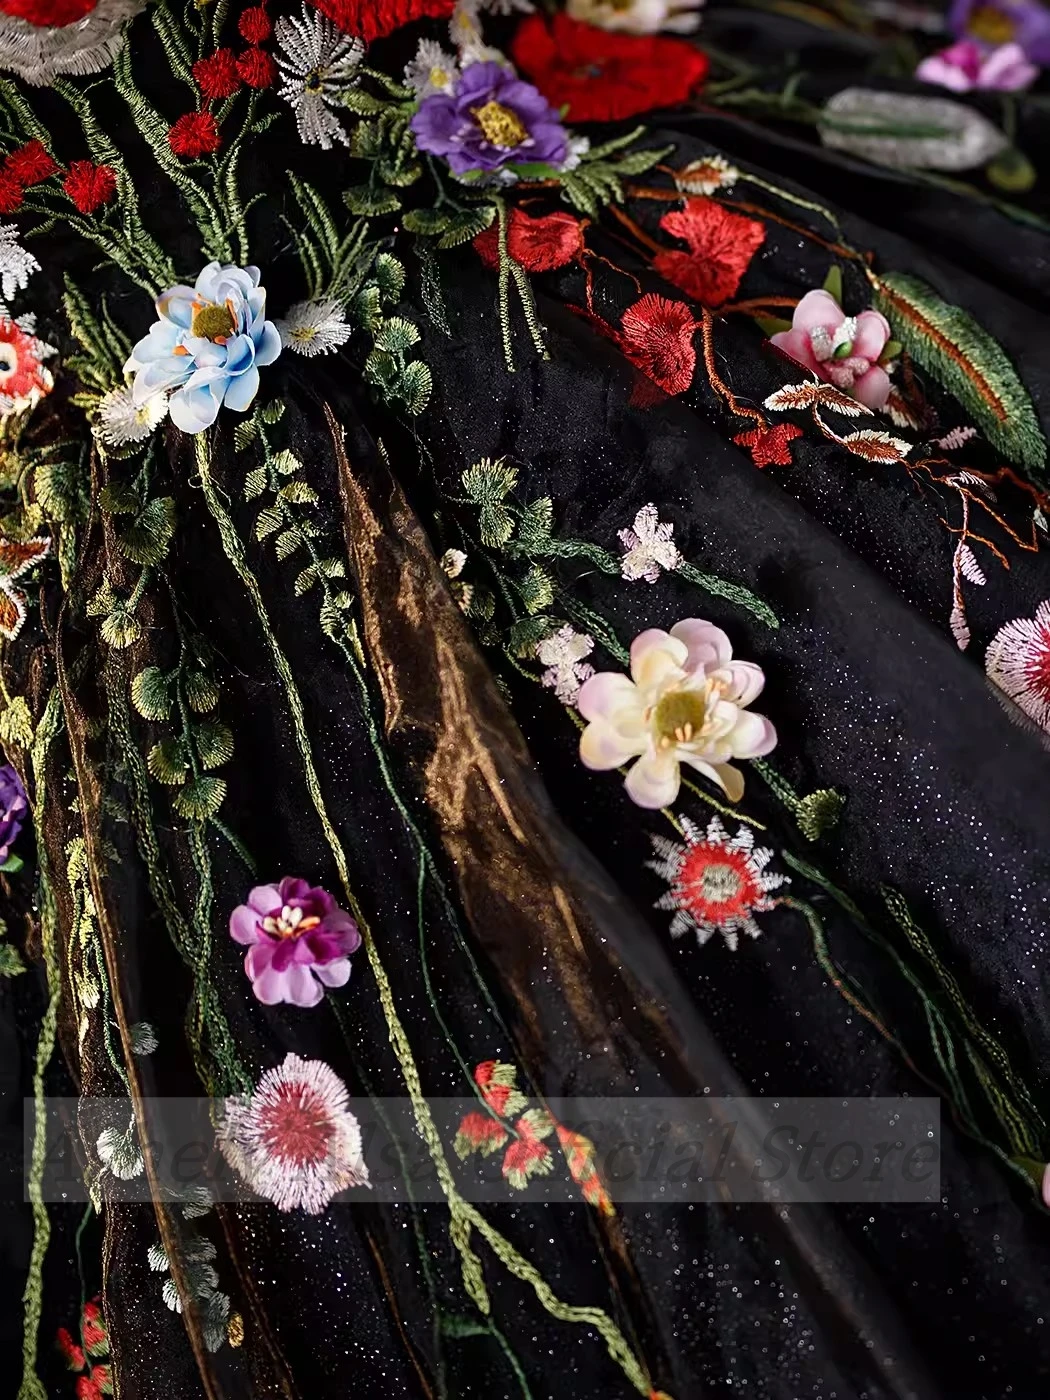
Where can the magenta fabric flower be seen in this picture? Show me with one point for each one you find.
(995, 22)
(966, 65)
(299, 942)
(842, 349)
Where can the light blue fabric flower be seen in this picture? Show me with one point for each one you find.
(208, 346)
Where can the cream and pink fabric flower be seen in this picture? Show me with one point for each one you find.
(844, 350)
(967, 65)
(299, 942)
(685, 701)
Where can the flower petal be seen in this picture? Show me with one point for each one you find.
(872, 388)
(873, 331)
(602, 747)
(654, 655)
(817, 309)
(707, 645)
(654, 780)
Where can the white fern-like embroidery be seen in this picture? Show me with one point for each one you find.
(958, 437)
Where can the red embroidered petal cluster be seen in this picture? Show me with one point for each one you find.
(195, 134)
(769, 446)
(372, 19)
(657, 337)
(217, 75)
(27, 166)
(89, 186)
(255, 25)
(257, 68)
(602, 76)
(538, 244)
(721, 246)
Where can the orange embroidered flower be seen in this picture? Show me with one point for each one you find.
(498, 1086)
(538, 244)
(529, 1155)
(721, 246)
(656, 335)
(769, 446)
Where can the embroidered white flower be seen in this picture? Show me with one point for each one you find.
(685, 701)
(120, 421)
(295, 1140)
(638, 16)
(562, 653)
(314, 327)
(432, 70)
(16, 265)
(453, 562)
(707, 176)
(316, 61)
(1018, 661)
(717, 885)
(649, 547)
(464, 30)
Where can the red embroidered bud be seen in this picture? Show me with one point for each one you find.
(10, 193)
(74, 1355)
(30, 163)
(89, 186)
(257, 68)
(255, 25)
(195, 134)
(217, 75)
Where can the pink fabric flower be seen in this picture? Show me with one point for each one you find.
(966, 65)
(842, 349)
(299, 942)
(685, 701)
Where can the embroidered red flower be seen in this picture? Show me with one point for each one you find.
(56, 14)
(579, 1156)
(216, 75)
(478, 1132)
(73, 1354)
(721, 246)
(257, 68)
(30, 164)
(10, 193)
(528, 1155)
(602, 76)
(89, 186)
(498, 1085)
(255, 25)
(372, 19)
(538, 244)
(657, 337)
(195, 134)
(769, 446)
(93, 1330)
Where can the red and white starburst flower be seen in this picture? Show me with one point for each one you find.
(717, 884)
(1018, 661)
(295, 1140)
(41, 40)
(23, 378)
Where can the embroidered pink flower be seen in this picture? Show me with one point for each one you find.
(842, 349)
(1018, 661)
(685, 701)
(295, 1140)
(966, 65)
(299, 942)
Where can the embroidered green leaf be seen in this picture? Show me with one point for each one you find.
(463, 227)
(16, 724)
(428, 222)
(60, 489)
(323, 568)
(536, 589)
(366, 143)
(366, 308)
(819, 812)
(11, 963)
(949, 344)
(255, 483)
(381, 369)
(300, 492)
(416, 386)
(146, 541)
(269, 520)
(273, 412)
(213, 742)
(120, 629)
(369, 202)
(527, 633)
(286, 462)
(534, 527)
(168, 761)
(389, 276)
(362, 103)
(118, 499)
(244, 434)
(151, 693)
(202, 694)
(288, 541)
(396, 335)
(200, 799)
(771, 325)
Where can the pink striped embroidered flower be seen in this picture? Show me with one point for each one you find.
(1018, 661)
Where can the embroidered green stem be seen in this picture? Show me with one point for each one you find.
(504, 283)
(732, 592)
(815, 813)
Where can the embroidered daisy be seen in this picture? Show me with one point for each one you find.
(314, 327)
(316, 63)
(23, 379)
(717, 884)
(121, 422)
(1018, 661)
(295, 1140)
(707, 176)
(16, 265)
(648, 547)
(432, 69)
(562, 653)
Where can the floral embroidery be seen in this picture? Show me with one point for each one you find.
(256, 68)
(16, 265)
(208, 346)
(685, 702)
(965, 65)
(453, 562)
(769, 446)
(30, 164)
(717, 885)
(648, 547)
(119, 421)
(431, 70)
(492, 119)
(13, 809)
(255, 25)
(374, 19)
(994, 22)
(217, 75)
(707, 176)
(638, 16)
(44, 40)
(528, 1155)
(24, 380)
(317, 64)
(721, 246)
(314, 327)
(538, 244)
(194, 134)
(1018, 661)
(844, 350)
(89, 186)
(89, 1357)
(562, 653)
(958, 437)
(16, 557)
(656, 335)
(295, 1141)
(605, 77)
(299, 942)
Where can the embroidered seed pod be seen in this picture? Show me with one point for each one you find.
(49, 39)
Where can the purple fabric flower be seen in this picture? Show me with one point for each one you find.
(13, 807)
(966, 65)
(299, 942)
(492, 119)
(995, 22)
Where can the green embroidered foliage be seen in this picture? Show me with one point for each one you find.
(487, 483)
(169, 761)
(949, 344)
(273, 412)
(151, 693)
(244, 434)
(213, 742)
(120, 629)
(300, 492)
(255, 483)
(200, 799)
(597, 181)
(396, 335)
(536, 590)
(202, 694)
(286, 462)
(11, 963)
(146, 540)
(389, 277)
(819, 812)
(61, 489)
(535, 524)
(526, 634)
(369, 202)
(105, 346)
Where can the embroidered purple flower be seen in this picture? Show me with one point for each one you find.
(966, 65)
(995, 22)
(492, 120)
(13, 808)
(299, 942)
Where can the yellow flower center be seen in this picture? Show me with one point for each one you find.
(215, 323)
(720, 884)
(501, 126)
(438, 77)
(679, 718)
(990, 25)
(289, 923)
